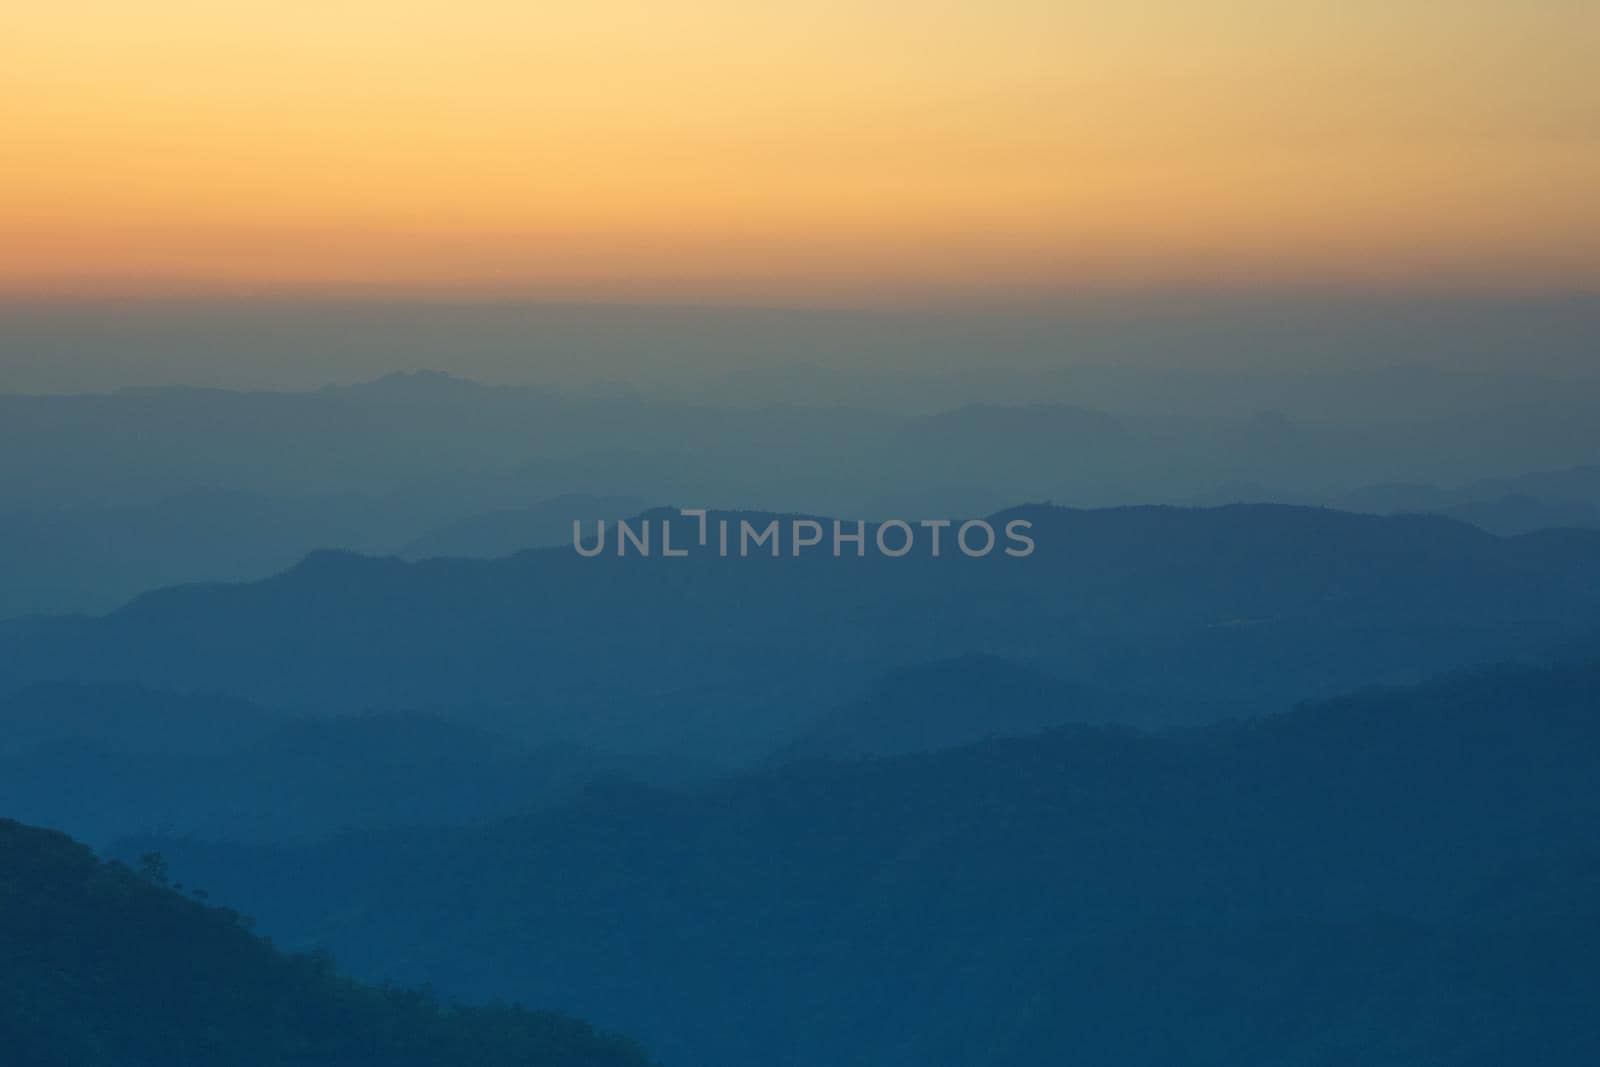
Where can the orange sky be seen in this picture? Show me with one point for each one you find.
(827, 151)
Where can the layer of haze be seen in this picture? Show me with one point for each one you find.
(726, 152)
(1305, 354)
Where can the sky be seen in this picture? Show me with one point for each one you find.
(827, 154)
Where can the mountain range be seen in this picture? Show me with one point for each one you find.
(1160, 605)
(110, 495)
(1401, 876)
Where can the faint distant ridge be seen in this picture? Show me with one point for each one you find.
(1539, 500)
(412, 383)
(954, 702)
(509, 530)
(128, 719)
(110, 761)
(1048, 418)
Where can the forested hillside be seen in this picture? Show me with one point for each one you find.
(103, 967)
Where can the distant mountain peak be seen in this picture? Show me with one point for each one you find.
(412, 383)
(336, 560)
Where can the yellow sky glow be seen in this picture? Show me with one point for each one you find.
(795, 152)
